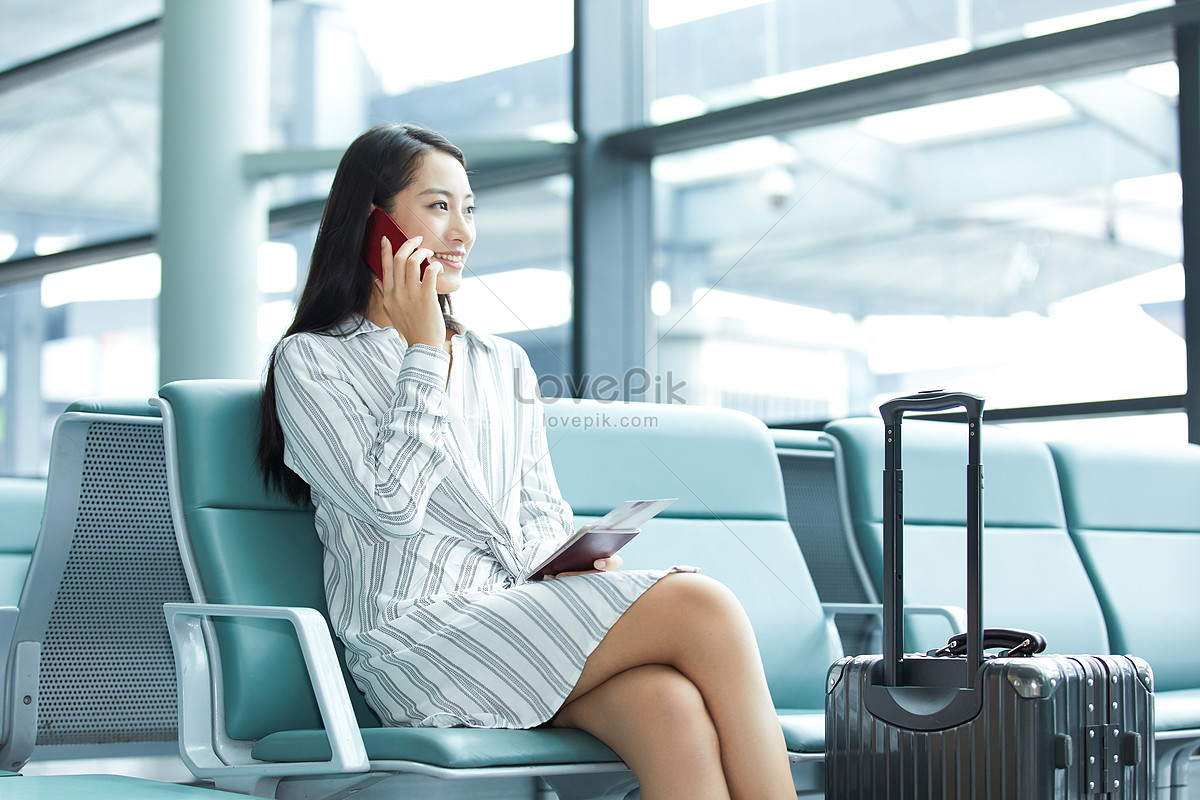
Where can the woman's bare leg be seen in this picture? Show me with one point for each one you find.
(696, 625)
(656, 721)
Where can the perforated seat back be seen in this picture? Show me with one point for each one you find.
(1134, 513)
(730, 519)
(816, 511)
(1032, 575)
(248, 547)
(104, 563)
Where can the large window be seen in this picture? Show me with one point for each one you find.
(33, 29)
(1024, 244)
(79, 167)
(473, 69)
(79, 155)
(713, 54)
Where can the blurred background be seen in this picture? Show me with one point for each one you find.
(794, 208)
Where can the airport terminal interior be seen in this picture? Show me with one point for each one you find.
(724, 232)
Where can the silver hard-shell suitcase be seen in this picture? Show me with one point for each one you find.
(961, 725)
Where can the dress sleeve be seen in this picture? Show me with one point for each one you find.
(378, 467)
(545, 518)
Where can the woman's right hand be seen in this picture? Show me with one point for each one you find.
(410, 300)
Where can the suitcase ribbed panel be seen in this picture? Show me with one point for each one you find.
(1009, 751)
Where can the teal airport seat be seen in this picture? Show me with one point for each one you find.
(250, 717)
(731, 520)
(1033, 576)
(21, 503)
(93, 655)
(90, 672)
(1134, 514)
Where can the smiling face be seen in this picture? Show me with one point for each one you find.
(439, 206)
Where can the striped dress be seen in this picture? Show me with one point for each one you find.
(433, 499)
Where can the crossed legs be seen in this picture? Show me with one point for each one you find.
(677, 689)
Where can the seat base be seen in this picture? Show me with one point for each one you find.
(450, 748)
(481, 748)
(101, 787)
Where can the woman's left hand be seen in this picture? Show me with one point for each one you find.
(613, 562)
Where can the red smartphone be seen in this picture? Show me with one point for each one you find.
(381, 224)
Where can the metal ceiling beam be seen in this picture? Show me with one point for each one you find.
(31, 267)
(1118, 44)
(81, 55)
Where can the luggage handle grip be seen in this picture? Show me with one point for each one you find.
(1013, 641)
(931, 400)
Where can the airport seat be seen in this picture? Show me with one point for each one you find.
(820, 520)
(264, 693)
(21, 503)
(1033, 575)
(731, 520)
(100, 787)
(90, 672)
(257, 721)
(1133, 511)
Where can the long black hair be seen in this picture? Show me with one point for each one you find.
(376, 167)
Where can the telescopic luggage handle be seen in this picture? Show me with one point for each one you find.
(893, 512)
(929, 693)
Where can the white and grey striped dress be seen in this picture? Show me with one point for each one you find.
(433, 499)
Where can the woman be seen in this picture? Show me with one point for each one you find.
(434, 496)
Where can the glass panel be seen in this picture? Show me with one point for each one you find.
(994, 22)
(31, 29)
(720, 53)
(338, 68)
(518, 281)
(79, 155)
(1033, 259)
(73, 334)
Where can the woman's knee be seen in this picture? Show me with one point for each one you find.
(704, 624)
(702, 599)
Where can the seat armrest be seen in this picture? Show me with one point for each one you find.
(193, 662)
(954, 615)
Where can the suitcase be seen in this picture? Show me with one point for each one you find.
(955, 723)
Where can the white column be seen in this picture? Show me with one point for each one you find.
(212, 217)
